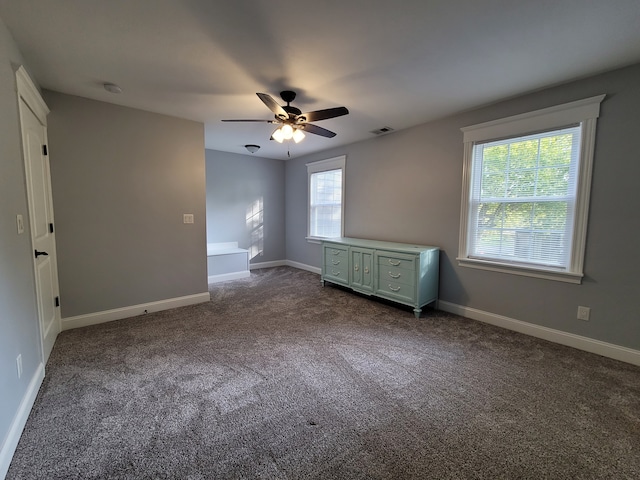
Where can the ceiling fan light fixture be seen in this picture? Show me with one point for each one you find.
(298, 135)
(287, 131)
(292, 121)
(278, 136)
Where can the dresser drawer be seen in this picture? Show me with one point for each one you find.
(396, 260)
(338, 274)
(333, 254)
(396, 275)
(337, 261)
(397, 291)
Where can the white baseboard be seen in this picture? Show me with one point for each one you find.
(286, 263)
(605, 349)
(19, 421)
(303, 266)
(132, 311)
(223, 277)
(276, 263)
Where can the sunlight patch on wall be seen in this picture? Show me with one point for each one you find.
(255, 226)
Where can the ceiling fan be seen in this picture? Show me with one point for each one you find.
(293, 121)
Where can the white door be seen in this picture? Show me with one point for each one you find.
(36, 160)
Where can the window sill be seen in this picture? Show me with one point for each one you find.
(317, 240)
(555, 275)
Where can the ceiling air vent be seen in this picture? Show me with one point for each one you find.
(382, 131)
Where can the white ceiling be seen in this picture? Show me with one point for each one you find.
(391, 63)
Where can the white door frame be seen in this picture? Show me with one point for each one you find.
(29, 97)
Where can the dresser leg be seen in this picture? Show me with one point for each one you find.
(417, 312)
(322, 282)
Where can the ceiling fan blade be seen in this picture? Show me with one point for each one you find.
(324, 114)
(323, 132)
(262, 121)
(273, 105)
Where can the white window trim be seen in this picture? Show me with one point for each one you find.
(584, 112)
(323, 166)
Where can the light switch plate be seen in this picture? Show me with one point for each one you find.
(187, 218)
(20, 223)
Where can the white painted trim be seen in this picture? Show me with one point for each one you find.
(328, 164)
(132, 311)
(522, 270)
(275, 263)
(463, 239)
(583, 193)
(19, 421)
(303, 266)
(584, 112)
(287, 263)
(335, 163)
(223, 277)
(538, 120)
(29, 92)
(598, 347)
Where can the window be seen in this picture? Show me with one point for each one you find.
(326, 193)
(526, 192)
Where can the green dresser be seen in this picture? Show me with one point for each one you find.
(401, 272)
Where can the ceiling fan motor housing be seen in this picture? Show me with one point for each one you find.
(288, 95)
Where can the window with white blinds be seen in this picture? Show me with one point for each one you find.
(523, 198)
(526, 192)
(326, 193)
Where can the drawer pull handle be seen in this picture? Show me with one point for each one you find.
(335, 252)
(395, 276)
(394, 264)
(333, 272)
(366, 269)
(335, 262)
(356, 268)
(393, 289)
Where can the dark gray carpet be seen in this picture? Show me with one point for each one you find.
(279, 378)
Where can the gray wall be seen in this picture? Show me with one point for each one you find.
(235, 183)
(406, 187)
(18, 311)
(122, 179)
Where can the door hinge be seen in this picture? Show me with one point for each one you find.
(51, 228)
(44, 150)
(57, 301)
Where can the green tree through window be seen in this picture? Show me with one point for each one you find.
(522, 198)
(526, 188)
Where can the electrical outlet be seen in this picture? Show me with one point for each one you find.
(583, 313)
(19, 365)
(187, 218)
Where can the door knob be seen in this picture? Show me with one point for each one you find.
(41, 253)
